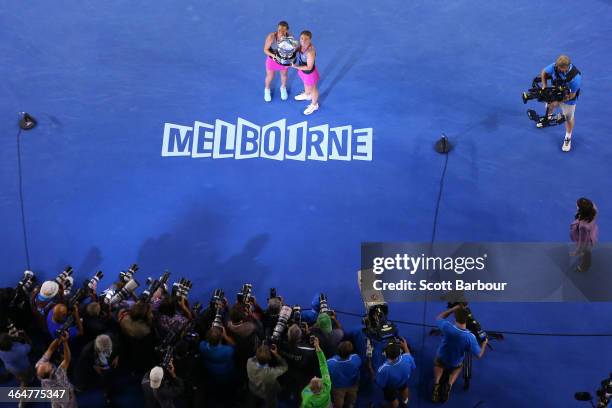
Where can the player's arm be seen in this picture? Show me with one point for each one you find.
(267, 45)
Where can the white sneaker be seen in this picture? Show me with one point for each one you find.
(567, 144)
(302, 97)
(267, 95)
(311, 108)
(284, 95)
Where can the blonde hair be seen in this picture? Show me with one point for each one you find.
(563, 61)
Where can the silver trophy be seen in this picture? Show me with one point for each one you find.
(286, 50)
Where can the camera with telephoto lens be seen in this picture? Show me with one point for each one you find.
(66, 280)
(323, 305)
(604, 394)
(472, 324)
(129, 275)
(93, 282)
(179, 332)
(281, 323)
(556, 93)
(181, 288)
(65, 326)
(217, 302)
(23, 290)
(126, 292)
(296, 315)
(245, 295)
(153, 285)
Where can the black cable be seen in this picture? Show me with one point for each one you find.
(23, 221)
(516, 333)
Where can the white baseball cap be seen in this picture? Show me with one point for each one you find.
(49, 289)
(156, 376)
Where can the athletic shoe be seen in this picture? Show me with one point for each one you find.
(302, 97)
(447, 390)
(311, 108)
(567, 144)
(284, 95)
(267, 95)
(435, 395)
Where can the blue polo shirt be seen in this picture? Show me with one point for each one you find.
(455, 342)
(218, 360)
(574, 85)
(53, 327)
(395, 374)
(344, 373)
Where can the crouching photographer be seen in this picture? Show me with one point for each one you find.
(457, 340)
(161, 387)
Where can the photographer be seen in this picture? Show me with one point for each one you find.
(394, 374)
(52, 377)
(97, 363)
(44, 299)
(172, 312)
(137, 339)
(318, 392)
(263, 384)
(161, 387)
(14, 354)
(218, 360)
(270, 315)
(247, 333)
(456, 341)
(328, 336)
(565, 73)
(301, 359)
(57, 318)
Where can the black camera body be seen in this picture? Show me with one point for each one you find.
(245, 295)
(181, 288)
(556, 93)
(604, 394)
(23, 290)
(152, 286)
(472, 324)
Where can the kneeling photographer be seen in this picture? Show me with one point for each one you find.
(456, 341)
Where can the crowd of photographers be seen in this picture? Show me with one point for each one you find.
(225, 354)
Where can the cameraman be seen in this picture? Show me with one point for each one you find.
(456, 342)
(394, 374)
(160, 390)
(567, 74)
